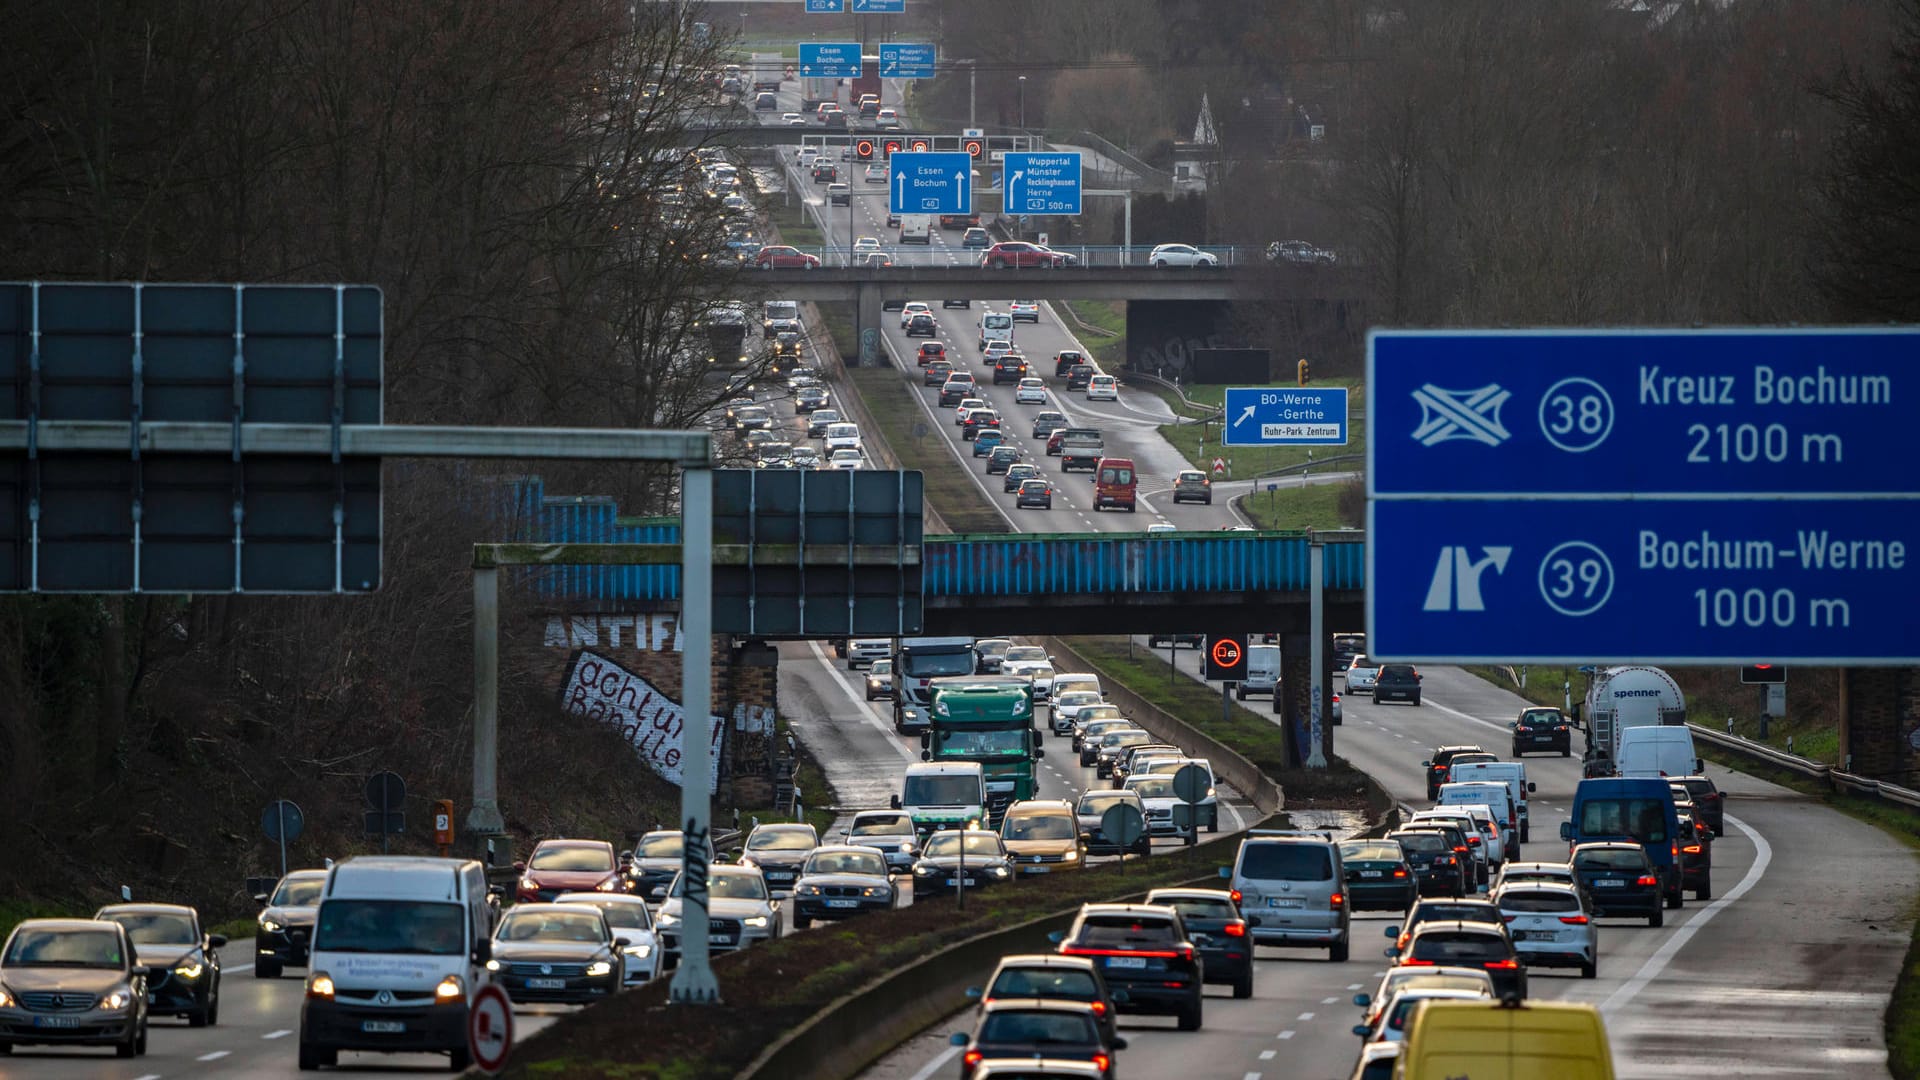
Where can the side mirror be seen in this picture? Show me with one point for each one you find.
(260, 898)
(1119, 1043)
(1392, 932)
(482, 951)
(975, 992)
(1362, 1000)
(1699, 765)
(1038, 752)
(1057, 936)
(1532, 787)
(926, 755)
(1226, 872)
(894, 802)
(496, 890)
(140, 971)
(519, 868)
(1362, 1030)
(957, 1039)
(1566, 830)
(217, 941)
(1515, 724)
(1426, 764)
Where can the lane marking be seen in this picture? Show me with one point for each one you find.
(1268, 1055)
(1251, 1076)
(1304, 1016)
(926, 1071)
(215, 1056)
(1353, 986)
(281, 1034)
(1284, 1035)
(1763, 854)
(148, 1076)
(861, 706)
(1329, 1000)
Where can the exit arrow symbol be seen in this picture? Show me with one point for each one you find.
(1245, 415)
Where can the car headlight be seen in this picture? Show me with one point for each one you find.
(667, 918)
(189, 971)
(609, 884)
(528, 884)
(320, 984)
(758, 922)
(806, 890)
(1072, 855)
(119, 999)
(924, 870)
(493, 965)
(451, 988)
(638, 952)
(875, 890)
(598, 969)
(997, 871)
(271, 926)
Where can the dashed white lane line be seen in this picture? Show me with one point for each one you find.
(860, 707)
(1251, 1076)
(1304, 1016)
(1284, 1035)
(1268, 1055)
(1328, 1000)
(281, 1034)
(215, 1056)
(148, 1076)
(1353, 986)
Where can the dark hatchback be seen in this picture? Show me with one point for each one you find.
(1621, 880)
(922, 325)
(1144, 950)
(284, 931)
(1378, 875)
(1438, 764)
(1696, 857)
(1464, 909)
(1709, 802)
(1430, 855)
(1052, 978)
(1037, 1028)
(1397, 682)
(1467, 944)
(1219, 930)
(1542, 730)
(1079, 375)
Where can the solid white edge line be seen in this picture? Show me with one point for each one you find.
(1655, 964)
(861, 706)
(926, 1071)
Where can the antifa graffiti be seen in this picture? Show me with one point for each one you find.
(599, 689)
(651, 633)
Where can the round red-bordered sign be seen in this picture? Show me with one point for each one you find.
(490, 1028)
(1226, 652)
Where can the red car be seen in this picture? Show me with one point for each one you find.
(560, 866)
(931, 351)
(1019, 253)
(1053, 442)
(782, 257)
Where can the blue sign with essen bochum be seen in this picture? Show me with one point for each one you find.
(1284, 416)
(830, 59)
(930, 182)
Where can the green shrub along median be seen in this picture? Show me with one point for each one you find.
(769, 990)
(949, 491)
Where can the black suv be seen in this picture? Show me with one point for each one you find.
(1470, 944)
(1079, 375)
(1438, 764)
(1436, 866)
(1010, 368)
(1397, 682)
(1542, 729)
(1219, 929)
(1621, 880)
(1142, 949)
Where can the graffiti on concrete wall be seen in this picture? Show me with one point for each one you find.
(651, 633)
(599, 689)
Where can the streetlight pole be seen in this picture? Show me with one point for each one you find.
(1023, 103)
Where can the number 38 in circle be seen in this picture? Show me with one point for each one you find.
(1576, 414)
(1576, 578)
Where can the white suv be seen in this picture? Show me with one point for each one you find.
(867, 650)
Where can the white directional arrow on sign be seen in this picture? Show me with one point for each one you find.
(900, 182)
(1246, 414)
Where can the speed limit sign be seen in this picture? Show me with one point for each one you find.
(490, 1028)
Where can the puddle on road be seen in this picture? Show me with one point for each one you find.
(1342, 823)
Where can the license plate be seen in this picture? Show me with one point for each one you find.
(956, 881)
(382, 1027)
(1534, 935)
(843, 903)
(1286, 902)
(1603, 883)
(720, 939)
(1543, 738)
(1126, 962)
(546, 984)
(1373, 873)
(56, 1021)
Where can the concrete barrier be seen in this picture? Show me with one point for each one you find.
(1228, 764)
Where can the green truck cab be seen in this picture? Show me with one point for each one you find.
(988, 719)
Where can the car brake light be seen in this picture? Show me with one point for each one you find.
(1508, 918)
(972, 1058)
(1574, 920)
(1399, 873)
(1416, 963)
(1099, 1008)
(1235, 929)
(1648, 879)
(1474, 840)
(1691, 849)
(1461, 848)
(1235, 895)
(1502, 965)
(1101, 1061)
(1336, 900)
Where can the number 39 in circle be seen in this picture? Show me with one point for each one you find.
(1576, 578)
(1576, 414)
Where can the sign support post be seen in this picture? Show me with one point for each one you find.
(1319, 735)
(693, 981)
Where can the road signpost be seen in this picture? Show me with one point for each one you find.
(387, 794)
(1682, 497)
(283, 823)
(1226, 659)
(930, 182)
(1122, 824)
(830, 59)
(490, 1028)
(1190, 783)
(1043, 183)
(1285, 416)
(899, 60)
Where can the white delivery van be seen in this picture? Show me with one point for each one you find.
(916, 228)
(1498, 804)
(995, 326)
(1511, 773)
(1658, 751)
(1263, 671)
(400, 946)
(943, 795)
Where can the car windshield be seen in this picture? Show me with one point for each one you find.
(898, 825)
(1129, 737)
(1040, 827)
(847, 862)
(1372, 851)
(1120, 931)
(941, 790)
(1072, 698)
(391, 926)
(1449, 946)
(1425, 843)
(1285, 862)
(1099, 802)
(532, 924)
(621, 915)
(1069, 983)
(1007, 1026)
(1202, 907)
(64, 948)
(572, 858)
(728, 886)
(964, 743)
(1610, 859)
(1152, 787)
(661, 846)
(1454, 911)
(1538, 719)
(781, 840)
(146, 928)
(1100, 712)
(978, 843)
(300, 892)
(1643, 819)
(881, 667)
(1538, 900)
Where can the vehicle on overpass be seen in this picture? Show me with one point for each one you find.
(917, 661)
(988, 719)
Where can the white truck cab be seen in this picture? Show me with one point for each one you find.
(943, 795)
(400, 946)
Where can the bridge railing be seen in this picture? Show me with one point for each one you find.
(1080, 257)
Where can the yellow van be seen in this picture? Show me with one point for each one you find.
(1512, 1040)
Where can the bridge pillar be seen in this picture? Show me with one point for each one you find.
(868, 312)
(1296, 680)
(1880, 708)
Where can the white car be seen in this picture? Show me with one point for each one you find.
(1515, 873)
(994, 350)
(1180, 255)
(808, 154)
(736, 896)
(845, 459)
(1551, 925)
(736, 202)
(966, 407)
(866, 244)
(887, 118)
(1042, 676)
(1067, 705)
(1391, 1024)
(1030, 392)
(1156, 793)
(1362, 673)
(867, 650)
(1209, 807)
(1103, 388)
(793, 119)
(632, 926)
(1162, 527)
(874, 174)
(914, 307)
(1024, 310)
(1397, 978)
(842, 437)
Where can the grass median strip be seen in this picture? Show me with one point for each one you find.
(953, 494)
(769, 990)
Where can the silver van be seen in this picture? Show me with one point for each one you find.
(1291, 887)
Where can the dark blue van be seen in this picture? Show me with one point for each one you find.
(1634, 809)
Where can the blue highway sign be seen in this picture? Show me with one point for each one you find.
(880, 7)
(930, 182)
(899, 61)
(830, 59)
(1645, 412)
(1671, 582)
(1043, 183)
(826, 7)
(1285, 416)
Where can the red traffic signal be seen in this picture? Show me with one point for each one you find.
(919, 145)
(1764, 674)
(863, 149)
(973, 148)
(893, 147)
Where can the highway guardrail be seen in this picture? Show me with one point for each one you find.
(1834, 779)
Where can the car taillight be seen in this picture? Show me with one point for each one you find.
(1691, 849)
(1574, 920)
(1399, 873)
(1508, 918)
(1474, 840)
(1336, 900)
(1235, 929)
(1235, 894)
(1502, 965)
(1648, 879)
(1409, 962)
(1099, 1008)
(1101, 1062)
(1462, 849)
(972, 1058)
